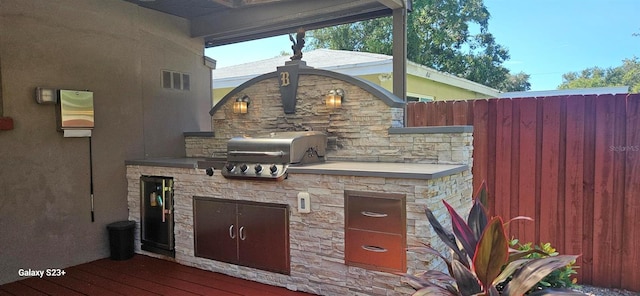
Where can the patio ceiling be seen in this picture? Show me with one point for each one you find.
(222, 22)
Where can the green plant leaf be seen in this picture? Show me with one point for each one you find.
(462, 231)
(477, 219)
(559, 292)
(534, 271)
(492, 253)
(516, 254)
(447, 237)
(467, 282)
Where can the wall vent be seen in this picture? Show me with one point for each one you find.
(176, 80)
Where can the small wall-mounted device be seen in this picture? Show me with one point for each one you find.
(46, 95)
(304, 202)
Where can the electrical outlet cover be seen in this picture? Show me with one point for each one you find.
(304, 202)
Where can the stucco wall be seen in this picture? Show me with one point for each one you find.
(440, 91)
(117, 50)
(219, 93)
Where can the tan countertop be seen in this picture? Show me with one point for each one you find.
(422, 171)
(380, 169)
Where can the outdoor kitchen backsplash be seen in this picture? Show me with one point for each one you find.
(357, 131)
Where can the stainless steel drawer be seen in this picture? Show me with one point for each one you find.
(375, 250)
(375, 231)
(369, 211)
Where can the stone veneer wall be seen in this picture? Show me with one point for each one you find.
(364, 129)
(357, 131)
(413, 145)
(317, 238)
(361, 130)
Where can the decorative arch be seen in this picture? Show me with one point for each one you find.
(377, 91)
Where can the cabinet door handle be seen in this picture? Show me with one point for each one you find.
(164, 199)
(374, 249)
(373, 214)
(232, 235)
(242, 236)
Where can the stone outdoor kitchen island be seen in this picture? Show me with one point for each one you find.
(370, 160)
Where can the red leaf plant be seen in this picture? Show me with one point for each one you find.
(485, 259)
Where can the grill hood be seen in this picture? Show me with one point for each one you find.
(280, 148)
(268, 156)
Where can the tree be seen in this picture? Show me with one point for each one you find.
(439, 34)
(517, 82)
(628, 74)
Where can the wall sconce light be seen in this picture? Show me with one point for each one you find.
(241, 105)
(46, 95)
(334, 98)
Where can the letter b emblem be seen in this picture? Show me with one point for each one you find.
(284, 79)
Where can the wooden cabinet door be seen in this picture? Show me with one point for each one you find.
(264, 236)
(215, 229)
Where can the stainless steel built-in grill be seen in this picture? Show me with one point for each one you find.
(268, 156)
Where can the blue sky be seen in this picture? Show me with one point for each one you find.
(545, 38)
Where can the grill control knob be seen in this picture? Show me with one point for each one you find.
(244, 168)
(273, 168)
(258, 169)
(230, 167)
(209, 171)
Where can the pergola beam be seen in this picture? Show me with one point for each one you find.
(393, 4)
(399, 52)
(281, 17)
(241, 3)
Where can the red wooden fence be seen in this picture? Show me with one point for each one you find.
(570, 162)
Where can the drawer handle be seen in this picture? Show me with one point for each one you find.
(232, 235)
(373, 214)
(374, 249)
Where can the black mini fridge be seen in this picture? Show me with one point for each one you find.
(156, 217)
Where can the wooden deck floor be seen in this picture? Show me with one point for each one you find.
(141, 275)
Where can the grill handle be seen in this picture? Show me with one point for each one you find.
(257, 153)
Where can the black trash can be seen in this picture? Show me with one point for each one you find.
(121, 239)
